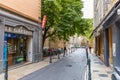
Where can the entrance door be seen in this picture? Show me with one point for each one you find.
(29, 49)
(102, 46)
(110, 46)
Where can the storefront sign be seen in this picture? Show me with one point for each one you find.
(19, 30)
(43, 21)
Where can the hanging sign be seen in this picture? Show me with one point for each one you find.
(44, 21)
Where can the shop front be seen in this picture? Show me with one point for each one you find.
(20, 40)
(18, 43)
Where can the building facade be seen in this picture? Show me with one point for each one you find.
(54, 44)
(107, 33)
(20, 32)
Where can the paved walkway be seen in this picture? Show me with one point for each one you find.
(99, 70)
(72, 67)
(15, 74)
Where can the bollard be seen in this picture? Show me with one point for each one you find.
(64, 54)
(58, 54)
(68, 51)
(50, 57)
(6, 61)
(71, 50)
(6, 71)
(89, 65)
(87, 54)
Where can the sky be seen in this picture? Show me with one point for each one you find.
(88, 9)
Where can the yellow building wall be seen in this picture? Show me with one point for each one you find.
(57, 44)
(27, 8)
(46, 44)
(60, 43)
(54, 44)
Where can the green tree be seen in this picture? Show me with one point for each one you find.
(88, 32)
(64, 19)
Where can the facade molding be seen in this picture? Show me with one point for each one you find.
(105, 19)
(16, 17)
(15, 23)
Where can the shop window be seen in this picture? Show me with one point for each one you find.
(16, 48)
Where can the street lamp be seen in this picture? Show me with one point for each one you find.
(118, 12)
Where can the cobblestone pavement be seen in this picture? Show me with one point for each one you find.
(99, 70)
(71, 67)
(18, 72)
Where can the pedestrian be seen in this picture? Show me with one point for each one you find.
(51, 51)
(90, 48)
(65, 50)
(24, 55)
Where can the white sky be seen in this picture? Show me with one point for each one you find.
(88, 9)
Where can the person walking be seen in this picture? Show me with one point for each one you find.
(24, 55)
(64, 51)
(90, 49)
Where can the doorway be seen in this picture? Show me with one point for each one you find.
(110, 46)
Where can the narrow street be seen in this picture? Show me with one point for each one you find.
(60, 40)
(72, 67)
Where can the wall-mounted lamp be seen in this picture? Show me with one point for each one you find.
(118, 11)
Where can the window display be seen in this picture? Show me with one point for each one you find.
(11, 48)
(16, 48)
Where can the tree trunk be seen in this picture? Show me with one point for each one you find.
(43, 42)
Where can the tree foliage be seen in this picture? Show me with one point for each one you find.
(64, 18)
(89, 30)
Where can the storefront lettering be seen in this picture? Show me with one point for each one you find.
(19, 30)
